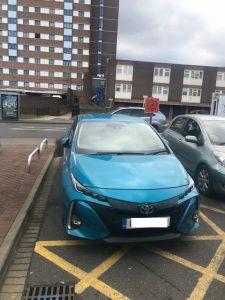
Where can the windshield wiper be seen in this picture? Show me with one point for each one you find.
(159, 152)
(122, 153)
(221, 144)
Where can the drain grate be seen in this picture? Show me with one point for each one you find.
(57, 292)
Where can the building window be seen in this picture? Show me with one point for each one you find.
(51, 37)
(51, 85)
(80, 63)
(220, 76)
(67, 63)
(1, 70)
(12, 58)
(67, 38)
(26, 84)
(80, 39)
(37, 22)
(26, 72)
(37, 84)
(191, 92)
(1, 58)
(123, 88)
(26, 60)
(80, 51)
(37, 61)
(37, 73)
(68, 25)
(70, 1)
(12, 20)
(164, 72)
(79, 75)
(194, 74)
(51, 49)
(12, 46)
(80, 26)
(37, 9)
(1, 82)
(51, 74)
(51, 11)
(13, 83)
(220, 92)
(66, 75)
(51, 24)
(26, 8)
(37, 35)
(81, 13)
(68, 12)
(25, 21)
(51, 61)
(67, 50)
(26, 34)
(12, 7)
(12, 33)
(37, 48)
(81, 1)
(26, 47)
(160, 90)
(79, 87)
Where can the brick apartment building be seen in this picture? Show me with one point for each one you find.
(48, 46)
(180, 88)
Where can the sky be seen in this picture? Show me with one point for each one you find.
(172, 31)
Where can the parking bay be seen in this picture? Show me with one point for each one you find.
(191, 267)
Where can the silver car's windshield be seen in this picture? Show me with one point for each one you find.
(216, 131)
(118, 138)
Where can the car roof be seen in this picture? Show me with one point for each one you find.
(109, 117)
(203, 117)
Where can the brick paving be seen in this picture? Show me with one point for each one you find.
(15, 181)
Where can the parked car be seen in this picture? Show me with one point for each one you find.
(121, 182)
(200, 112)
(199, 143)
(159, 121)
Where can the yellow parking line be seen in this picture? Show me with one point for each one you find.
(204, 282)
(99, 270)
(203, 238)
(75, 271)
(212, 224)
(213, 209)
(64, 243)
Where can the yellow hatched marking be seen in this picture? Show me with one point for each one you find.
(77, 272)
(204, 282)
(212, 224)
(213, 209)
(99, 270)
(204, 237)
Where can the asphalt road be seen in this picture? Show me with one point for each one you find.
(32, 130)
(191, 267)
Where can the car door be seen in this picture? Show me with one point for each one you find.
(173, 134)
(191, 153)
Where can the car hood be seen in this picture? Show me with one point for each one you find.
(220, 148)
(133, 172)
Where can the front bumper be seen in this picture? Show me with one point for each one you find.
(219, 179)
(104, 220)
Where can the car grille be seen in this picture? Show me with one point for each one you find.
(112, 216)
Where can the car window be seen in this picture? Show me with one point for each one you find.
(119, 137)
(126, 112)
(216, 131)
(192, 128)
(178, 124)
(137, 112)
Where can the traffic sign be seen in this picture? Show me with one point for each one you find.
(151, 105)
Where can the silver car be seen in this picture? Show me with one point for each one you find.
(159, 121)
(199, 143)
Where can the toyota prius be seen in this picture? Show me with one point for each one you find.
(122, 182)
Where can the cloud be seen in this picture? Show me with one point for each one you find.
(173, 31)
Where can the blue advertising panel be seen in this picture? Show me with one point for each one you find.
(10, 107)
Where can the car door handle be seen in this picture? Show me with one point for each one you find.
(180, 140)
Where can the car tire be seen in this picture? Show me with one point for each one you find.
(203, 180)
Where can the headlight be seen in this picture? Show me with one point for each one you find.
(83, 190)
(220, 156)
(191, 185)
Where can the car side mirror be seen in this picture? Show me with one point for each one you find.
(191, 139)
(66, 142)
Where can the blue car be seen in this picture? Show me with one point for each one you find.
(122, 182)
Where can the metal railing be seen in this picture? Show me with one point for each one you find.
(37, 150)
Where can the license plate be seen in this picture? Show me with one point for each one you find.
(159, 222)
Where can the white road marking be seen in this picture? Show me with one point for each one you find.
(39, 128)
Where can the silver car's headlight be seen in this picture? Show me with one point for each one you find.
(220, 156)
(83, 190)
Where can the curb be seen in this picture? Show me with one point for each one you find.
(11, 236)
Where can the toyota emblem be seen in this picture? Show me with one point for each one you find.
(147, 209)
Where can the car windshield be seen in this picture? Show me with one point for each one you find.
(216, 131)
(118, 138)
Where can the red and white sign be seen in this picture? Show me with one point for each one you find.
(151, 105)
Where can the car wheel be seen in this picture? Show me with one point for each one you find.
(203, 180)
